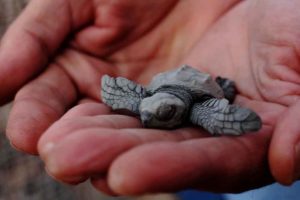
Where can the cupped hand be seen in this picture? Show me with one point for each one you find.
(54, 55)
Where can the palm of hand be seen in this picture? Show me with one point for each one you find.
(90, 141)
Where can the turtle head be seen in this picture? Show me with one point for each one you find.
(162, 110)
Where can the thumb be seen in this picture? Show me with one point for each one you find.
(31, 40)
(285, 147)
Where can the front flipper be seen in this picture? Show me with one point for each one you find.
(218, 117)
(121, 93)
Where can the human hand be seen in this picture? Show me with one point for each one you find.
(268, 48)
(274, 52)
(57, 49)
(73, 74)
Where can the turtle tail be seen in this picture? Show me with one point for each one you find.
(219, 117)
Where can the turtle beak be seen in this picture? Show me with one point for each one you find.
(146, 118)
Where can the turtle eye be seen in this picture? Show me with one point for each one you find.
(166, 112)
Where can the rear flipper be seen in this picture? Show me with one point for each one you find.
(218, 117)
(228, 87)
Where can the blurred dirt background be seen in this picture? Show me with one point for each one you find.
(22, 177)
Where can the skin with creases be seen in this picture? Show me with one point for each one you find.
(57, 50)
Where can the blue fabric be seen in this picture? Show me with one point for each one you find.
(197, 195)
(272, 192)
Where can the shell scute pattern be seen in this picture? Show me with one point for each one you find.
(199, 83)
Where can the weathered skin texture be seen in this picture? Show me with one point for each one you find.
(177, 96)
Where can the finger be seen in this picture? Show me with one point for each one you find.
(37, 105)
(285, 147)
(68, 126)
(85, 116)
(224, 164)
(101, 184)
(33, 38)
(90, 151)
(87, 108)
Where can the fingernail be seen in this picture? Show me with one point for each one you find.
(115, 182)
(297, 163)
(69, 180)
(47, 148)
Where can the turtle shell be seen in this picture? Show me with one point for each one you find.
(199, 83)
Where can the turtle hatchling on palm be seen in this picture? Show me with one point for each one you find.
(182, 95)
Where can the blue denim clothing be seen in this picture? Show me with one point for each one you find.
(272, 192)
(198, 195)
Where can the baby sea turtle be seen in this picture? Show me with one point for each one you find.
(181, 95)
